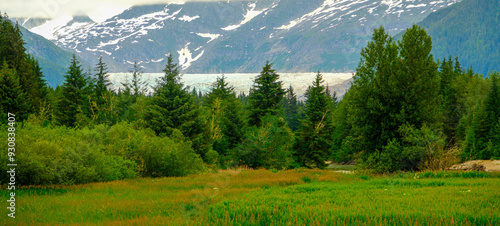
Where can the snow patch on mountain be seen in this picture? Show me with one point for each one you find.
(208, 35)
(159, 60)
(416, 6)
(327, 10)
(186, 57)
(48, 29)
(186, 18)
(114, 30)
(250, 14)
(392, 4)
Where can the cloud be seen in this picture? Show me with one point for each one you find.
(96, 9)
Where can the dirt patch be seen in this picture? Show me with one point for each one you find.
(481, 165)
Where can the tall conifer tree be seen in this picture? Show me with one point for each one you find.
(482, 138)
(226, 117)
(74, 98)
(26, 68)
(101, 82)
(138, 86)
(291, 108)
(172, 107)
(265, 96)
(12, 97)
(314, 143)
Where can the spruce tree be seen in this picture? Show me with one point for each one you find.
(124, 104)
(12, 97)
(448, 74)
(484, 144)
(314, 142)
(226, 118)
(291, 108)
(172, 107)
(103, 98)
(74, 95)
(265, 96)
(101, 82)
(138, 86)
(28, 71)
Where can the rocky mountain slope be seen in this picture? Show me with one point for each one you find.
(239, 36)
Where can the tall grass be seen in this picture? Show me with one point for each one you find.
(261, 197)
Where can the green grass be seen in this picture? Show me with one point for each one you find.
(261, 197)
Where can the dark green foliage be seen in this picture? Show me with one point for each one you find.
(395, 84)
(198, 96)
(369, 103)
(29, 75)
(12, 97)
(39, 89)
(452, 108)
(265, 96)
(225, 119)
(138, 86)
(268, 146)
(313, 145)
(345, 146)
(414, 149)
(418, 79)
(128, 97)
(482, 141)
(472, 90)
(101, 82)
(102, 99)
(124, 102)
(243, 98)
(172, 107)
(292, 109)
(74, 99)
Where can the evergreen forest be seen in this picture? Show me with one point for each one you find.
(405, 111)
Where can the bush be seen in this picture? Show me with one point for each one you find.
(268, 146)
(417, 149)
(347, 150)
(59, 155)
(384, 161)
(155, 156)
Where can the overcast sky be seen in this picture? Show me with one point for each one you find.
(98, 10)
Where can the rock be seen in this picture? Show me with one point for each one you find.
(478, 165)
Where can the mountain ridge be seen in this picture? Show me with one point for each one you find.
(469, 30)
(223, 37)
(53, 60)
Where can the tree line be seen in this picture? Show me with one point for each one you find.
(404, 111)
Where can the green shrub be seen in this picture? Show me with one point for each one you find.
(155, 156)
(60, 155)
(268, 146)
(416, 149)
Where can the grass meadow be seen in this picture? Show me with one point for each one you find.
(262, 197)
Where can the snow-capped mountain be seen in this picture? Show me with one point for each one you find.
(239, 36)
